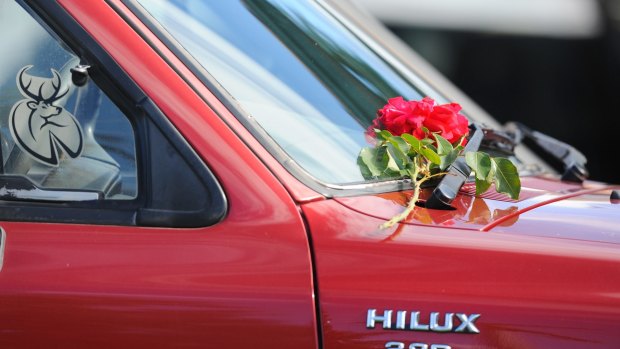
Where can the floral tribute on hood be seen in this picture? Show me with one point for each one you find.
(419, 140)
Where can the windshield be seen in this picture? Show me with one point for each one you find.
(309, 82)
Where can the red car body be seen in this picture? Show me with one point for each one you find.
(289, 267)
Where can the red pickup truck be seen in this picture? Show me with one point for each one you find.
(183, 174)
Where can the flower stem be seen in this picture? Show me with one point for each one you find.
(417, 184)
(410, 207)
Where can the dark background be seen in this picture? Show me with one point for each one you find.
(568, 88)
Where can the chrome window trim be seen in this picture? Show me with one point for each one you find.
(259, 133)
(39, 194)
(326, 189)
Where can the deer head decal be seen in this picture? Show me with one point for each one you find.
(39, 126)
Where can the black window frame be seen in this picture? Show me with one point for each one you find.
(149, 208)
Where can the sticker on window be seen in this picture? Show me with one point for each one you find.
(40, 126)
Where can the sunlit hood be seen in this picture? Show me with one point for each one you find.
(546, 208)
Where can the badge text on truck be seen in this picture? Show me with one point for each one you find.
(411, 321)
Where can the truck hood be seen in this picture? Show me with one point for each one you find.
(546, 207)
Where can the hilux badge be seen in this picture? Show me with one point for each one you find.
(436, 322)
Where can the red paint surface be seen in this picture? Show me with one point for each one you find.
(546, 208)
(531, 291)
(546, 275)
(245, 282)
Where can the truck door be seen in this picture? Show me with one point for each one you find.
(115, 233)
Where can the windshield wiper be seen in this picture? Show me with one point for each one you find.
(574, 161)
(456, 175)
(504, 142)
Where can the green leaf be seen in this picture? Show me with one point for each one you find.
(506, 178)
(411, 168)
(391, 174)
(372, 162)
(482, 185)
(366, 173)
(447, 160)
(383, 134)
(415, 143)
(443, 146)
(480, 163)
(431, 155)
(400, 143)
(398, 156)
(426, 141)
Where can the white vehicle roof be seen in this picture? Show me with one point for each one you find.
(551, 18)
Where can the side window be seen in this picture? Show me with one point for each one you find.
(57, 137)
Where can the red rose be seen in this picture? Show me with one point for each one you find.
(446, 120)
(400, 116)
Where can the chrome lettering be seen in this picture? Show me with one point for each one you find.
(415, 322)
(437, 322)
(447, 326)
(401, 345)
(372, 317)
(467, 323)
(401, 319)
(394, 345)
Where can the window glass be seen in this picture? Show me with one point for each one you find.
(54, 133)
(311, 84)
